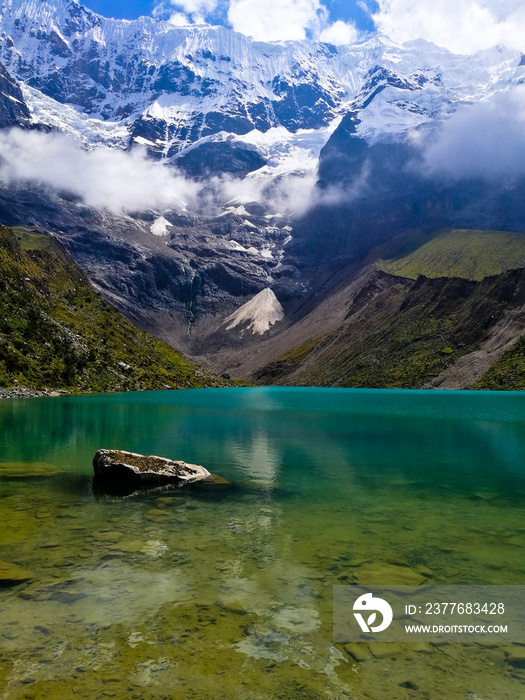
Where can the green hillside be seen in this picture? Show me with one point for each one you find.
(508, 373)
(57, 332)
(464, 253)
(400, 333)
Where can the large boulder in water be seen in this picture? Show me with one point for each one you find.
(117, 467)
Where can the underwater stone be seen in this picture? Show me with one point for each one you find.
(388, 574)
(516, 657)
(12, 575)
(358, 651)
(409, 684)
(119, 467)
(157, 516)
(233, 605)
(385, 650)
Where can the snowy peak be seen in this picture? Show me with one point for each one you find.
(258, 315)
(169, 87)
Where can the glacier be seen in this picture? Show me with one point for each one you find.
(146, 82)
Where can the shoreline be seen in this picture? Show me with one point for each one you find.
(26, 393)
(23, 392)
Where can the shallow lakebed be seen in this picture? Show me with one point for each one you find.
(225, 591)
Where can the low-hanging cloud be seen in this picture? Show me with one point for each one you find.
(483, 140)
(127, 181)
(336, 195)
(104, 178)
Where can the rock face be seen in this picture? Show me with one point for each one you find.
(13, 109)
(130, 468)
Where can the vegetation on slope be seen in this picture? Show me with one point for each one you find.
(463, 253)
(57, 332)
(402, 335)
(508, 373)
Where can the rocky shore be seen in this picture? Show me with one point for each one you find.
(23, 392)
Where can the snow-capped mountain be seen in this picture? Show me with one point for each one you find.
(314, 143)
(168, 87)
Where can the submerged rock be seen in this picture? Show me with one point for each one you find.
(12, 575)
(131, 469)
(381, 574)
(27, 470)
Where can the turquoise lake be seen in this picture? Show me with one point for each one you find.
(225, 591)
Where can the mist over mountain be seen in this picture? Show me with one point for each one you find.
(187, 169)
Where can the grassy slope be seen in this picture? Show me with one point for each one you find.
(403, 335)
(56, 331)
(462, 253)
(399, 338)
(508, 373)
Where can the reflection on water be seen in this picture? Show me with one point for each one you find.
(226, 591)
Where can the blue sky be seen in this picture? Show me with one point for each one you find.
(123, 9)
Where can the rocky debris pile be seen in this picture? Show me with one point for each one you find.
(116, 467)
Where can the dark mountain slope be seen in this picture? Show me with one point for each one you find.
(444, 331)
(370, 192)
(13, 109)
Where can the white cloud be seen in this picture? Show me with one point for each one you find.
(340, 33)
(291, 194)
(485, 140)
(188, 7)
(192, 7)
(104, 178)
(121, 181)
(186, 12)
(462, 26)
(272, 20)
(179, 19)
(276, 20)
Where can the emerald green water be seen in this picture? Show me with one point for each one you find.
(225, 592)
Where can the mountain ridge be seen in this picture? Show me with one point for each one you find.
(307, 157)
(224, 81)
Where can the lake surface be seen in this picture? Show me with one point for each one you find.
(225, 592)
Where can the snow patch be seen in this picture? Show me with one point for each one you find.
(142, 141)
(237, 210)
(234, 245)
(161, 227)
(260, 313)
